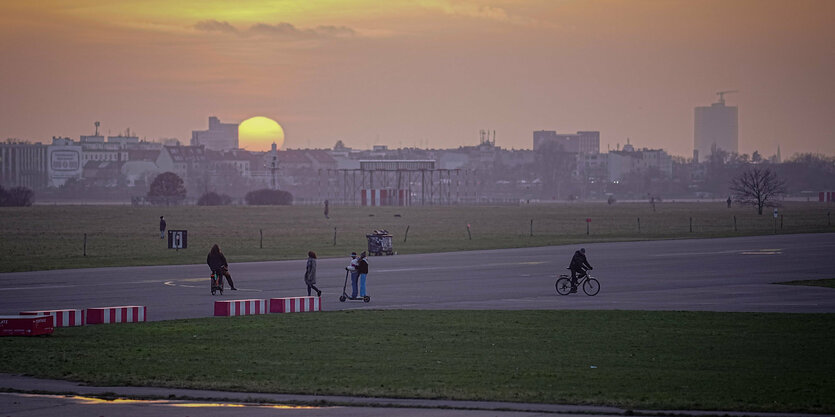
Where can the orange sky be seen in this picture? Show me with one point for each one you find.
(421, 73)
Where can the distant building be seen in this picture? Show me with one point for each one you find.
(629, 160)
(65, 161)
(185, 161)
(23, 164)
(715, 127)
(219, 137)
(580, 142)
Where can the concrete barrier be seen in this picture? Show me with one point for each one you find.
(28, 325)
(60, 318)
(295, 304)
(119, 314)
(240, 307)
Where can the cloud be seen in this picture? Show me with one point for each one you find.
(281, 30)
(215, 26)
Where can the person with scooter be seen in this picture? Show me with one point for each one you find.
(362, 268)
(352, 268)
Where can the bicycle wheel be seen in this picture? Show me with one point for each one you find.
(563, 286)
(591, 286)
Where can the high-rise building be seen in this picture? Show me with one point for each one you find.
(219, 137)
(715, 127)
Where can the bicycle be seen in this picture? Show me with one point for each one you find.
(591, 286)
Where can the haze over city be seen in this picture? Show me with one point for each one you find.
(424, 74)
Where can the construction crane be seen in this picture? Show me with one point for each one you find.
(722, 95)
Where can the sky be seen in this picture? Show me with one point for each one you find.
(425, 73)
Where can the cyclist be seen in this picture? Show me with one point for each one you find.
(217, 263)
(578, 267)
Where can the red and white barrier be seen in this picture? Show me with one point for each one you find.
(60, 318)
(240, 307)
(120, 314)
(295, 304)
(25, 325)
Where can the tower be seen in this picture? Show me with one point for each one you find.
(716, 127)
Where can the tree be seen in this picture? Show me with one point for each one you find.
(167, 188)
(214, 199)
(267, 197)
(757, 187)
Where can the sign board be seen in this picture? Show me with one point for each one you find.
(177, 239)
(775, 213)
(588, 219)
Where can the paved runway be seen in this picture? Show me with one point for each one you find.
(733, 274)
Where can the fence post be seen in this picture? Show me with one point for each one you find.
(261, 242)
(85, 244)
(531, 227)
(639, 225)
(406, 235)
(334, 236)
(781, 222)
(691, 225)
(468, 232)
(734, 223)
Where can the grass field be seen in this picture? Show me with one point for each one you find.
(654, 360)
(827, 283)
(52, 237)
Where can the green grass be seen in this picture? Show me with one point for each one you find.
(827, 283)
(654, 360)
(52, 237)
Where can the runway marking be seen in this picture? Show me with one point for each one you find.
(763, 252)
(436, 268)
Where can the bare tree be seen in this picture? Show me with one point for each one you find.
(757, 187)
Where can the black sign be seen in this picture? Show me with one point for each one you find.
(177, 239)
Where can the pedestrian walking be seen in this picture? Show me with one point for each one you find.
(310, 274)
(362, 268)
(162, 227)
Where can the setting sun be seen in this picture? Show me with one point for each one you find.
(258, 133)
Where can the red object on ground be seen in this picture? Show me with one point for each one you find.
(61, 318)
(25, 325)
(240, 307)
(295, 304)
(119, 314)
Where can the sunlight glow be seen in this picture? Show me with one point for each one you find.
(257, 134)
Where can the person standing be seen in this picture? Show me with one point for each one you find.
(362, 268)
(162, 227)
(217, 263)
(310, 274)
(352, 268)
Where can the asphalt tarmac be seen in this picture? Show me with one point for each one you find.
(733, 274)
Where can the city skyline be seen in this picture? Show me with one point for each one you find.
(425, 74)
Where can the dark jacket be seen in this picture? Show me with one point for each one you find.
(579, 262)
(216, 262)
(362, 266)
(161, 225)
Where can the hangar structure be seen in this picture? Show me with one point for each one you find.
(397, 183)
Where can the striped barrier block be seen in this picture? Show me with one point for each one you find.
(29, 325)
(295, 304)
(60, 318)
(119, 314)
(240, 307)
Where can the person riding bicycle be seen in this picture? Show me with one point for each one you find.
(217, 263)
(578, 267)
